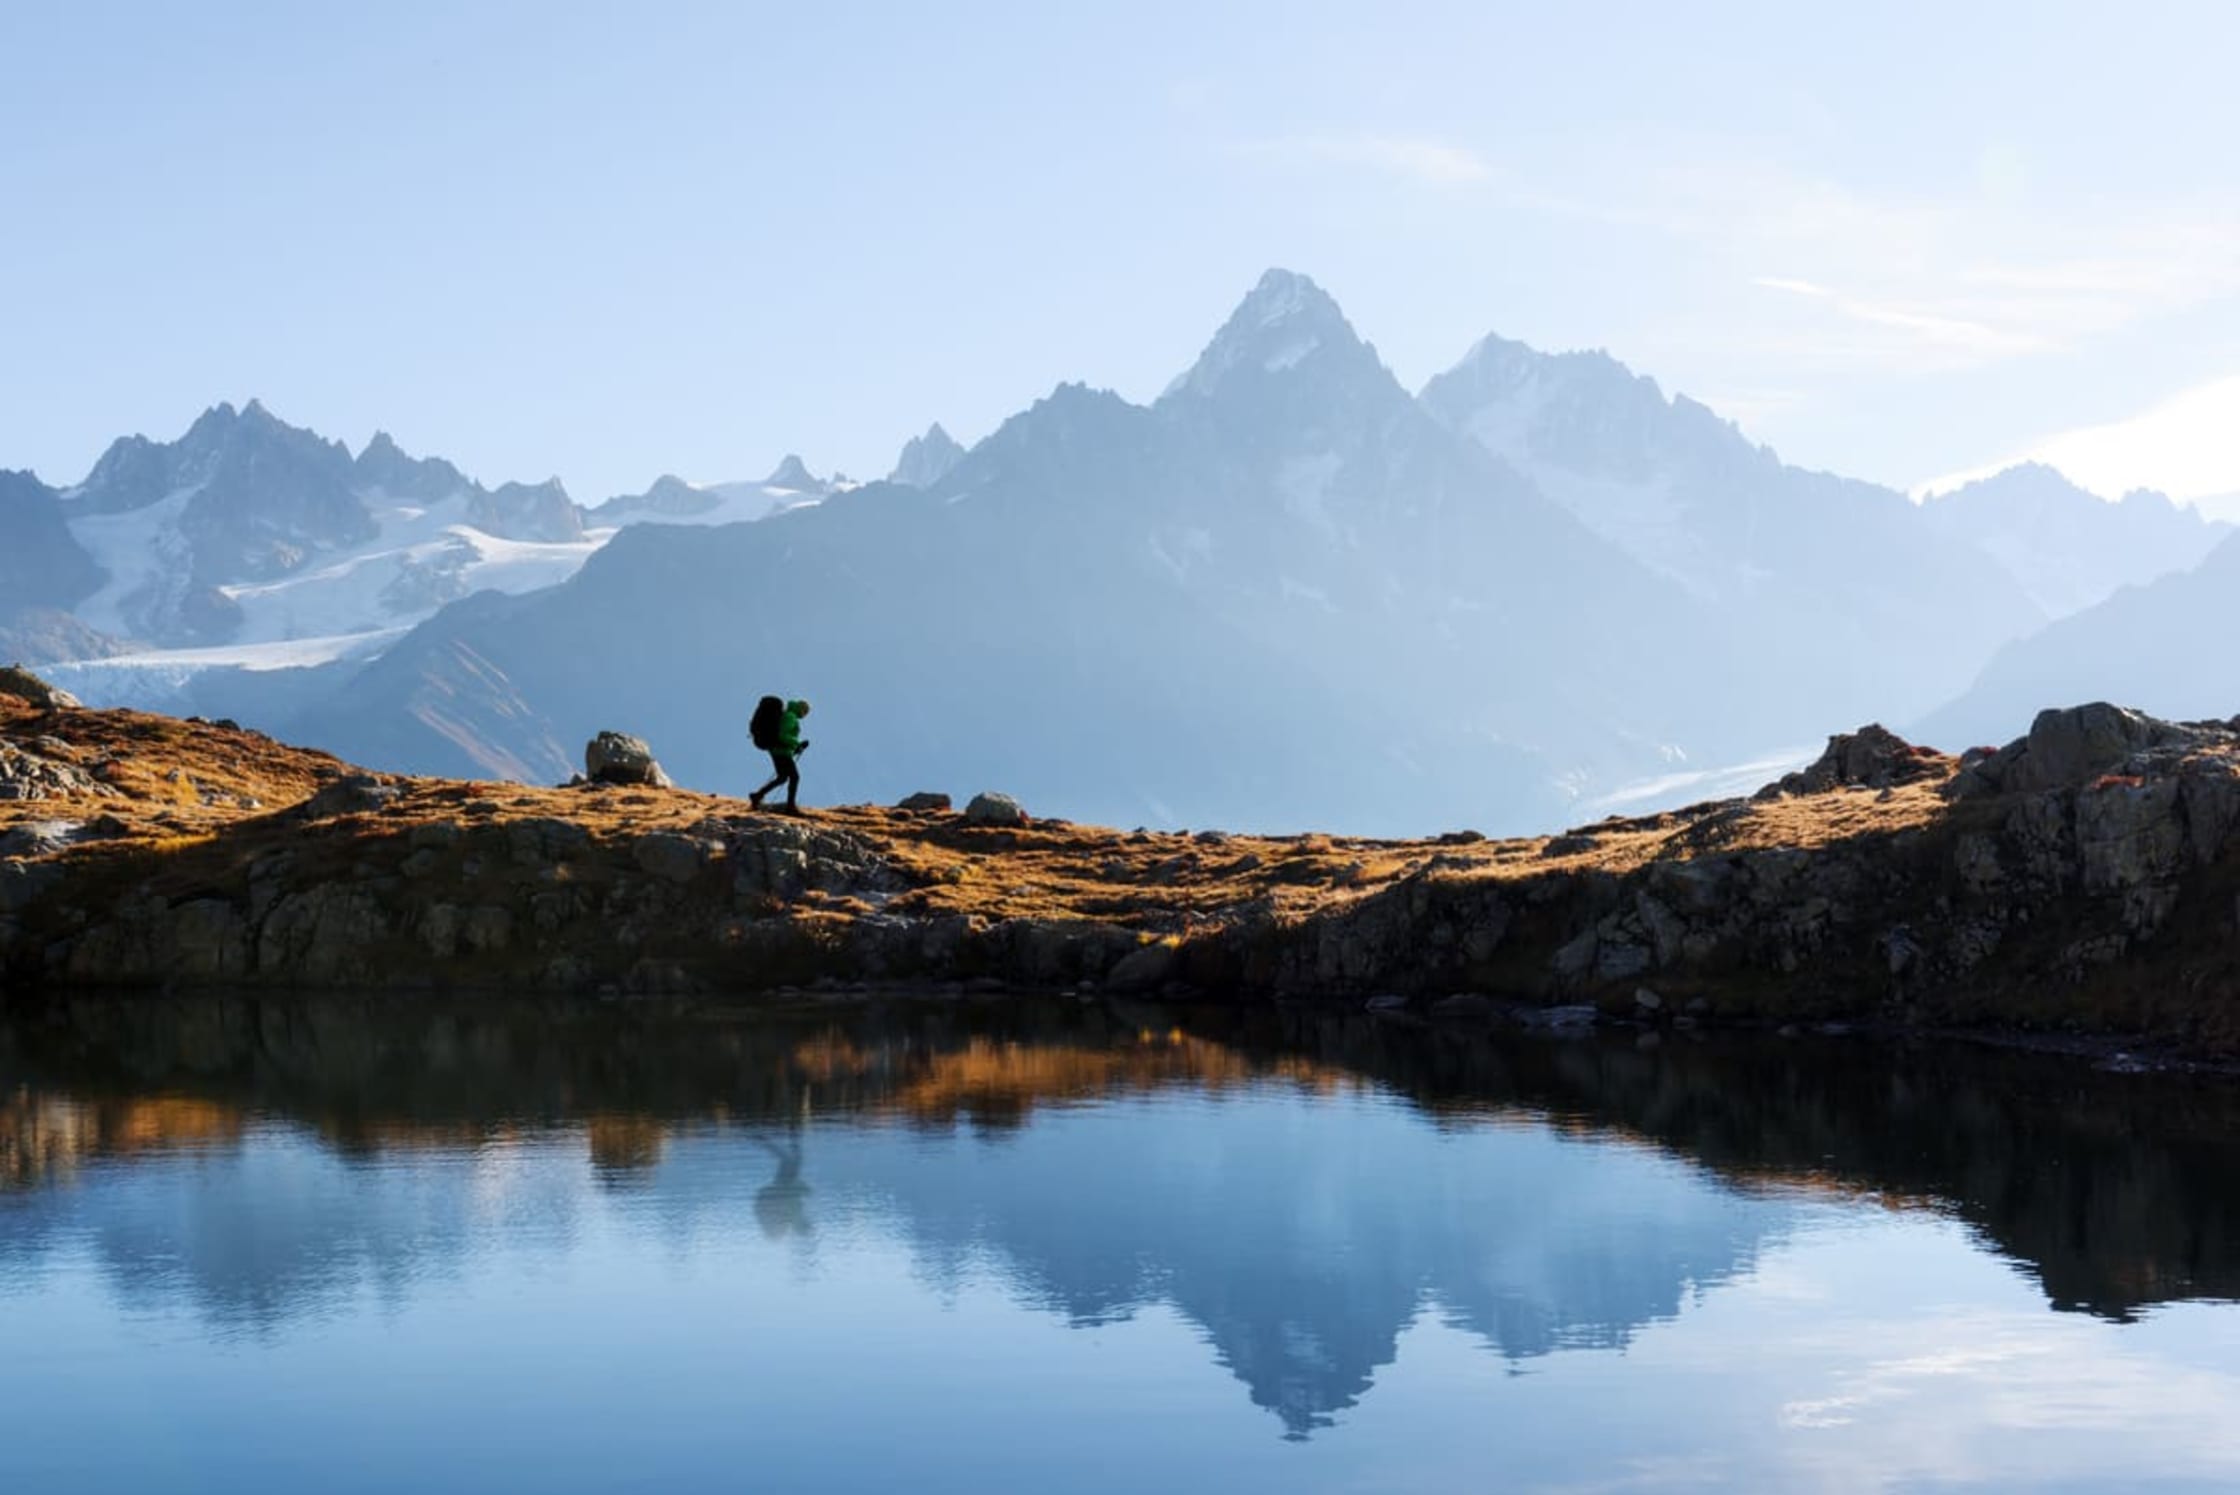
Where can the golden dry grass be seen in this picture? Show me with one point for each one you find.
(182, 784)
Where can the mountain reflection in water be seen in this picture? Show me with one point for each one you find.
(263, 1161)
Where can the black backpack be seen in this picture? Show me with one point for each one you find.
(764, 728)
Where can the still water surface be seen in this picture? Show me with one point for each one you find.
(368, 1246)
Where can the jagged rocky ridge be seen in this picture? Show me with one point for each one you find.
(2083, 878)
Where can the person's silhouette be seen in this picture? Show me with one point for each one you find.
(785, 745)
(781, 1206)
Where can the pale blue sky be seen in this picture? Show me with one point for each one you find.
(606, 241)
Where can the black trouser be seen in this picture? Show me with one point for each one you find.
(788, 775)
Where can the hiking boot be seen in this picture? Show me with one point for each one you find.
(755, 799)
(793, 809)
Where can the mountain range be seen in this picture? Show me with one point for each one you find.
(1287, 592)
(2164, 647)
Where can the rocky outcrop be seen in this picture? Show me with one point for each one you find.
(2086, 878)
(46, 769)
(2097, 894)
(617, 758)
(1871, 758)
(2070, 746)
(17, 681)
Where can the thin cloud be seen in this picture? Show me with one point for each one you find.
(1925, 282)
(1952, 333)
(2182, 446)
(1948, 332)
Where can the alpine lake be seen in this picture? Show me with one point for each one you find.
(386, 1244)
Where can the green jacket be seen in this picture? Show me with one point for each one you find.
(789, 733)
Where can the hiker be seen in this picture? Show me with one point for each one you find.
(776, 729)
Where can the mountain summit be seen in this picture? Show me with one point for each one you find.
(794, 474)
(1287, 326)
(926, 459)
(2068, 548)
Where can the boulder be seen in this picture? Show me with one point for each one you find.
(351, 794)
(1144, 967)
(618, 758)
(1873, 757)
(994, 809)
(2073, 745)
(38, 838)
(15, 680)
(924, 799)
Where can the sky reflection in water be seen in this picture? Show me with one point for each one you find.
(353, 1249)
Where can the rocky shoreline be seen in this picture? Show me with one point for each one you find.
(2080, 885)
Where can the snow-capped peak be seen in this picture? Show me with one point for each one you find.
(794, 474)
(1285, 323)
(1283, 295)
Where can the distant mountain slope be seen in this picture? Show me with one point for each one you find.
(1283, 595)
(438, 702)
(2166, 648)
(1851, 597)
(42, 565)
(2068, 548)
